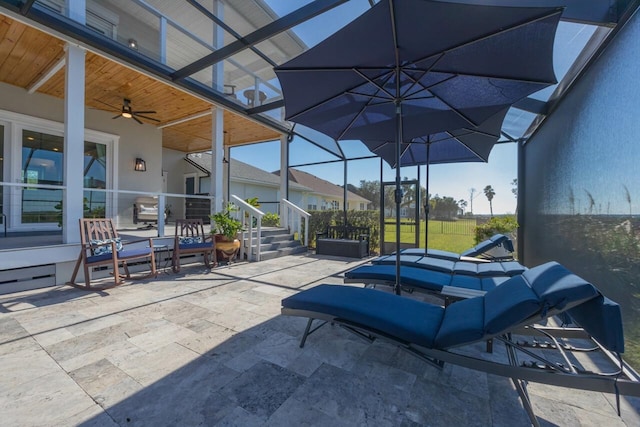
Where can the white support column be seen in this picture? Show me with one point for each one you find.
(284, 175)
(217, 154)
(217, 117)
(72, 200)
(226, 167)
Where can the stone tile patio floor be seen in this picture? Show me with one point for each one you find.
(211, 348)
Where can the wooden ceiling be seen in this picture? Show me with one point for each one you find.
(27, 54)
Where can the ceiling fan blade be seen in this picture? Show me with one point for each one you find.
(144, 112)
(136, 119)
(144, 117)
(116, 117)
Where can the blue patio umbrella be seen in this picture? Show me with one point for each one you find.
(458, 146)
(409, 68)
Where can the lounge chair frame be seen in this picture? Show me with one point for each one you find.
(622, 380)
(103, 229)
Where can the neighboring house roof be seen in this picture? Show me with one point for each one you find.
(321, 186)
(244, 172)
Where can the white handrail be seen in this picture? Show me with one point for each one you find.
(291, 221)
(252, 212)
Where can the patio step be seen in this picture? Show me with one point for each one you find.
(278, 242)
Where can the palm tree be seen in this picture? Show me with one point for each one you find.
(489, 192)
(462, 203)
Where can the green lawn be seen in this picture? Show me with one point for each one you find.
(454, 236)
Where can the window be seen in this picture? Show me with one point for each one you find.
(37, 145)
(42, 163)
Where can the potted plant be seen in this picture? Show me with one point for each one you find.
(225, 229)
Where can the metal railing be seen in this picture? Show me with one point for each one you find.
(252, 229)
(291, 218)
(29, 210)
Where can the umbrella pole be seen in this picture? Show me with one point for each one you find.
(426, 204)
(345, 194)
(398, 192)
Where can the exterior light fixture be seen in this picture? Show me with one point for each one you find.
(133, 44)
(140, 166)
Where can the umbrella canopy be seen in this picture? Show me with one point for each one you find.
(409, 68)
(457, 146)
(447, 65)
(462, 145)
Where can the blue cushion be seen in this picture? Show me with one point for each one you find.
(123, 254)
(512, 268)
(493, 242)
(391, 259)
(188, 240)
(557, 287)
(105, 248)
(436, 253)
(409, 276)
(508, 268)
(602, 319)
(206, 245)
(508, 305)
(402, 318)
(477, 283)
(436, 264)
(463, 323)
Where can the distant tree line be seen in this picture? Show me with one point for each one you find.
(440, 207)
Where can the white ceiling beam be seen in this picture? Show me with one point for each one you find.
(185, 119)
(46, 76)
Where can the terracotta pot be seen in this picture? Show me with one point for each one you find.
(226, 249)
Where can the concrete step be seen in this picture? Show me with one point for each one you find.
(272, 238)
(277, 242)
(273, 246)
(279, 245)
(282, 252)
(270, 231)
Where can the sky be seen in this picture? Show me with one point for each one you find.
(452, 180)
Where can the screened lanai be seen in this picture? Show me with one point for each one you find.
(205, 70)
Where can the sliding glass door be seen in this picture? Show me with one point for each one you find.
(42, 165)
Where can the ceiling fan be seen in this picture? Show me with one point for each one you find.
(128, 113)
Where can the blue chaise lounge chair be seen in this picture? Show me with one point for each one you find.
(433, 332)
(446, 285)
(485, 269)
(483, 251)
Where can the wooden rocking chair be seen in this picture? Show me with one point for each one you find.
(100, 245)
(189, 239)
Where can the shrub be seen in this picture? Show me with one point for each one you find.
(496, 225)
(271, 219)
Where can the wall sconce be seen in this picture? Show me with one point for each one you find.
(140, 166)
(133, 44)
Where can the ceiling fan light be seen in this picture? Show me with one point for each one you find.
(126, 115)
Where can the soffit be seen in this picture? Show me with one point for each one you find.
(27, 54)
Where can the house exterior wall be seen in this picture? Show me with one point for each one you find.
(132, 141)
(580, 199)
